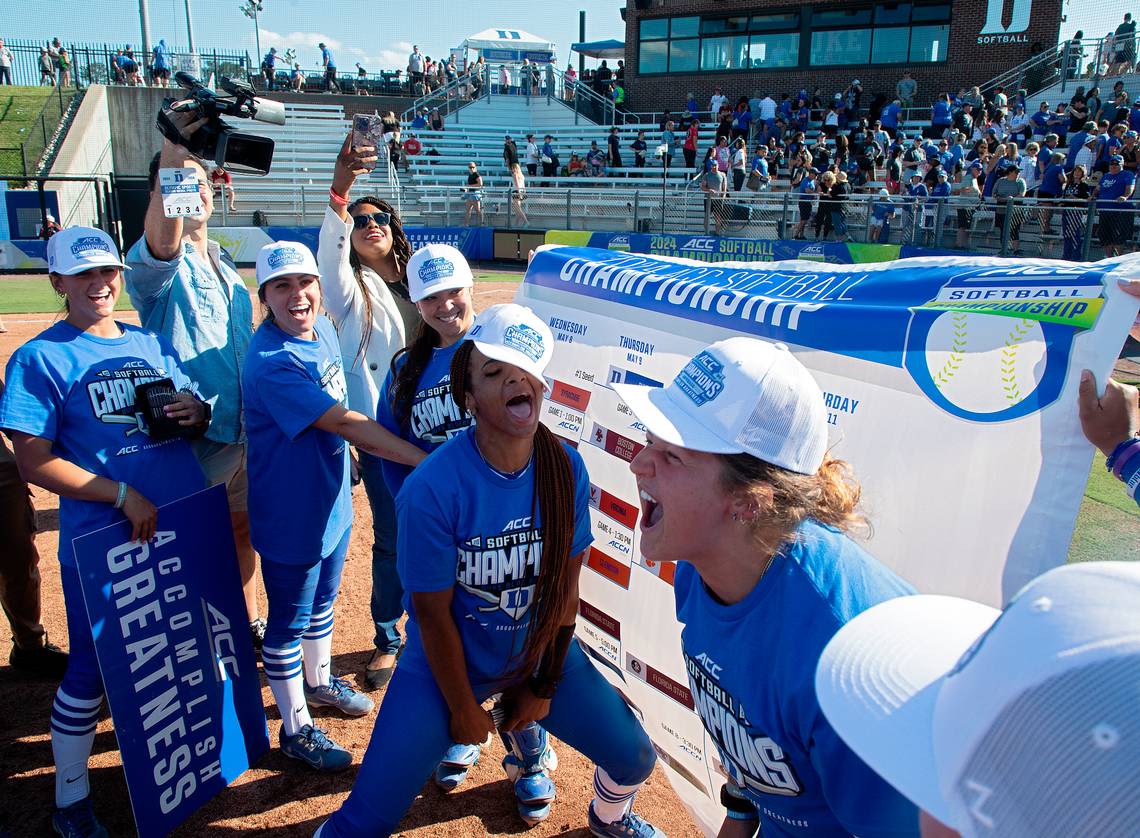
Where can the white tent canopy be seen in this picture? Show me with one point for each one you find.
(501, 42)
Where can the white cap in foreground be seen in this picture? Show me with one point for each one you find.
(514, 335)
(739, 396)
(437, 267)
(78, 249)
(284, 257)
(1019, 723)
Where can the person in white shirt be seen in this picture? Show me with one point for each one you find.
(739, 164)
(1030, 172)
(5, 64)
(1087, 154)
(531, 155)
(717, 100)
(362, 255)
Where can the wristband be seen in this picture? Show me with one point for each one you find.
(121, 498)
(739, 807)
(339, 200)
(1111, 461)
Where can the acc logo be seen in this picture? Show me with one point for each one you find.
(701, 243)
(813, 253)
(436, 269)
(87, 244)
(621, 548)
(285, 256)
(619, 242)
(524, 339)
(702, 379)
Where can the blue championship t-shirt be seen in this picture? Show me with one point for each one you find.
(461, 524)
(751, 668)
(300, 504)
(78, 391)
(434, 418)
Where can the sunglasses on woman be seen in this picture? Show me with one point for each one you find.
(382, 219)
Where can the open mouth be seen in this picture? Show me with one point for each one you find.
(374, 236)
(448, 318)
(101, 297)
(650, 510)
(521, 407)
(300, 310)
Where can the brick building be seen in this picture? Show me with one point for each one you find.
(749, 47)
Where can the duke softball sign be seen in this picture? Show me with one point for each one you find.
(950, 384)
(170, 633)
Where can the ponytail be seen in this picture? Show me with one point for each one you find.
(554, 491)
(787, 498)
(418, 354)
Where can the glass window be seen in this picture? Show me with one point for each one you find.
(716, 25)
(840, 17)
(892, 13)
(780, 20)
(776, 50)
(683, 55)
(724, 53)
(890, 45)
(928, 43)
(652, 57)
(840, 46)
(686, 27)
(938, 11)
(655, 28)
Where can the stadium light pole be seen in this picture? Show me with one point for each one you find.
(144, 23)
(189, 28)
(250, 9)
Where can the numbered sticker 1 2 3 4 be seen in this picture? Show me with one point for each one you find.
(180, 194)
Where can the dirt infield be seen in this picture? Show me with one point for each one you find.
(278, 796)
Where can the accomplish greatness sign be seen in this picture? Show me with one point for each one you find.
(950, 385)
(177, 662)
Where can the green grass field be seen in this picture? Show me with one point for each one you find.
(19, 107)
(33, 294)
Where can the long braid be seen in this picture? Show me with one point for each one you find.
(554, 487)
(401, 250)
(419, 353)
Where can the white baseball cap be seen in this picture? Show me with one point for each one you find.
(1016, 723)
(739, 396)
(78, 249)
(437, 267)
(514, 335)
(284, 257)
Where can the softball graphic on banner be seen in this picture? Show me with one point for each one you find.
(994, 343)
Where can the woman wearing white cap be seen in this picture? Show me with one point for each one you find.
(363, 254)
(491, 566)
(300, 507)
(70, 409)
(736, 486)
(417, 405)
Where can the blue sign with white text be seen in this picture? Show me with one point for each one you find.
(170, 633)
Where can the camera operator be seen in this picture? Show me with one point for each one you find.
(186, 289)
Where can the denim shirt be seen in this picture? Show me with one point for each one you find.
(209, 321)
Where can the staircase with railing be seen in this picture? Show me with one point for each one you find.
(1060, 69)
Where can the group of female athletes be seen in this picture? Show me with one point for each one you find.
(757, 513)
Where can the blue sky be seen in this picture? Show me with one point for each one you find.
(377, 33)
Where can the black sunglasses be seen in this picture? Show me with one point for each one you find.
(382, 219)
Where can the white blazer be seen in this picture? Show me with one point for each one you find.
(345, 306)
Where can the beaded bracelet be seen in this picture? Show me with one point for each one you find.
(339, 200)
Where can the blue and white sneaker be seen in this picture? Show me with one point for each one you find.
(630, 826)
(457, 761)
(339, 694)
(312, 745)
(78, 821)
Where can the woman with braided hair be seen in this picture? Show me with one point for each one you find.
(490, 565)
(363, 256)
(416, 404)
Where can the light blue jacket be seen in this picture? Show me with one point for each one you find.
(209, 321)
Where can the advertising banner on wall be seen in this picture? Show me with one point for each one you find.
(950, 385)
(705, 248)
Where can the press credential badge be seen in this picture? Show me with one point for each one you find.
(180, 195)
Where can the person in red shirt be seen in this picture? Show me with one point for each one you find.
(222, 182)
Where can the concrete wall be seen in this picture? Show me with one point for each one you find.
(86, 150)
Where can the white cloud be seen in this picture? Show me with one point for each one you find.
(394, 57)
(296, 39)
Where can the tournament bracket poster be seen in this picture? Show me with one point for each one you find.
(950, 385)
(178, 666)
